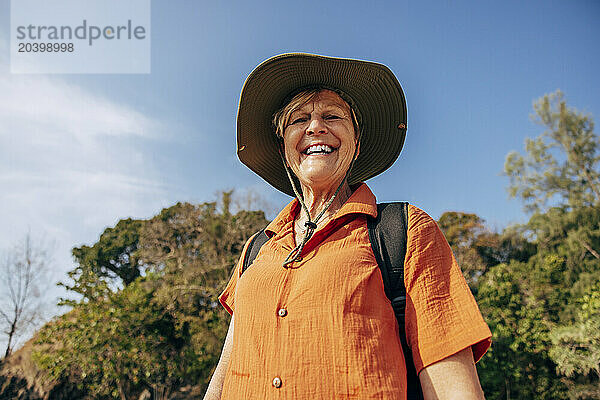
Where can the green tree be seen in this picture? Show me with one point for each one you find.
(163, 330)
(110, 263)
(573, 235)
(476, 248)
(562, 164)
(118, 346)
(517, 366)
(561, 167)
(532, 306)
(196, 248)
(576, 348)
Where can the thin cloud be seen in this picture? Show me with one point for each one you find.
(73, 163)
(40, 104)
(56, 137)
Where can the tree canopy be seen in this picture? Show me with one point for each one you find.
(561, 166)
(148, 318)
(544, 347)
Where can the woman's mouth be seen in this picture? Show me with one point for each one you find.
(318, 149)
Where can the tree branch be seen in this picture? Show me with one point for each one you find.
(588, 248)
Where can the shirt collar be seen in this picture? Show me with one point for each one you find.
(361, 201)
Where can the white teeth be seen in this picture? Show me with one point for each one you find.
(319, 148)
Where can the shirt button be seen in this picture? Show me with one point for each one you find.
(277, 382)
(282, 312)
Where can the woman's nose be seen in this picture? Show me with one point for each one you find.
(316, 125)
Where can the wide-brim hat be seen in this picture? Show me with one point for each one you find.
(376, 97)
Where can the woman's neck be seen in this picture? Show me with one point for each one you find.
(316, 201)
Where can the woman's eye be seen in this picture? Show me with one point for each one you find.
(332, 117)
(298, 120)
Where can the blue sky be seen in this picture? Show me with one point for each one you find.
(79, 152)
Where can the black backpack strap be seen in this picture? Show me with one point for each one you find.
(254, 247)
(387, 233)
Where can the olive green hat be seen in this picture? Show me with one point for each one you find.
(376, 96)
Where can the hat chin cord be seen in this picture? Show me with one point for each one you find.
(310, 225)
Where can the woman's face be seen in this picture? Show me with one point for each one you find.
(319, 141)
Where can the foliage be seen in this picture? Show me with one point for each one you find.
(120, 345)
(562, 164)
(523, 302)
(576, 347)
(543, 346)
(463, 232)
(517, 366)
(476, 248)
(163, 330)
(195, 248)
(110, 263)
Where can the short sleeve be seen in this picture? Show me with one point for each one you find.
(442, 317)
(227, 298)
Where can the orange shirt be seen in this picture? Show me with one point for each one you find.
(324, 328)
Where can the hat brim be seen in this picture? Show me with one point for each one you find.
(374, 89)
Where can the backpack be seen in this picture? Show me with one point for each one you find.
(387, 233)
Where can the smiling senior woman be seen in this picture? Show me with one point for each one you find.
(310, 317)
